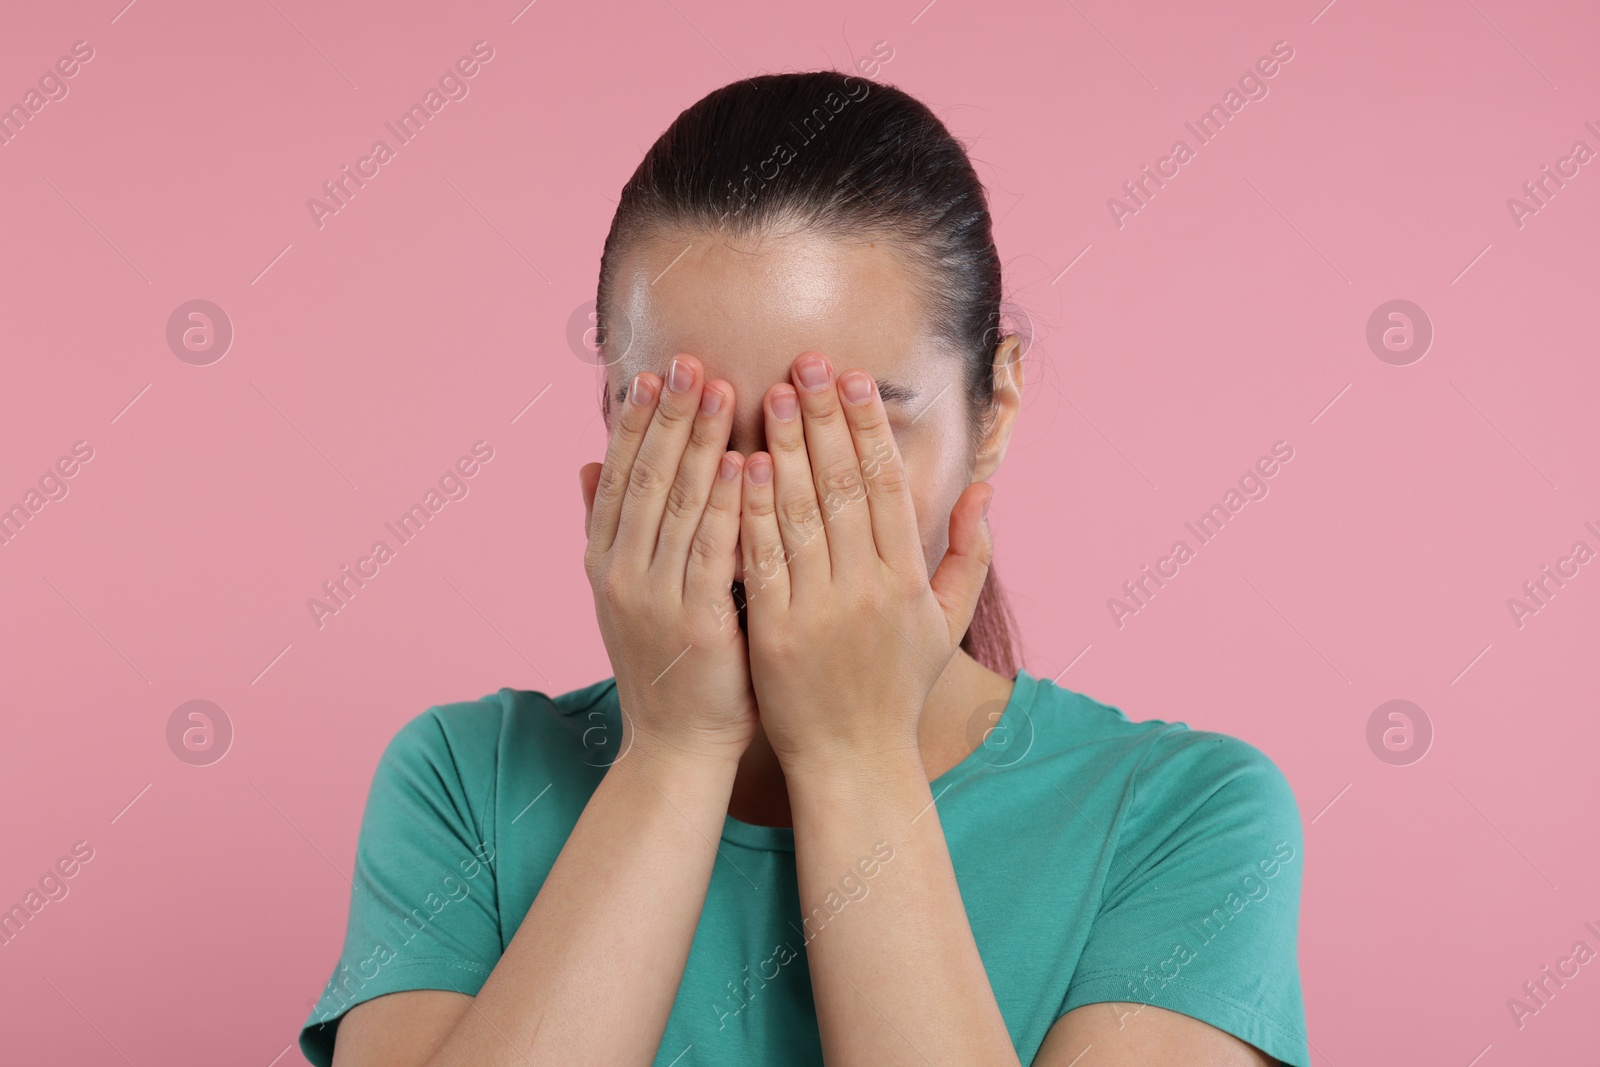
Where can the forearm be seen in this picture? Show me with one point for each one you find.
(895, 972)
(591, 975)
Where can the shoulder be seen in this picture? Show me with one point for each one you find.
(1216, 778)
(1165, 761)
(1198, 897)
(469, 729)
(1209, 811)
(466, 740)
(1178, 789)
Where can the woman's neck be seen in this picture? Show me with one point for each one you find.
(950, 728)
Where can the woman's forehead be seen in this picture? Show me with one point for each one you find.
(747, 307)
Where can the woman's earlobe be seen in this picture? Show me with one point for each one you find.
(990, 454)
(587, 486)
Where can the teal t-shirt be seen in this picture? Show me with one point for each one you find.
(1099, 860)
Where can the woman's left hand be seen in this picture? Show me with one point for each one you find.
(848, 634)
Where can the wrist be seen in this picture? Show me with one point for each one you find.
(666, 729)
(664, 760)
(854, 775)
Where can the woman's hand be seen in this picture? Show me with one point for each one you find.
(662, 516)
(847, 632)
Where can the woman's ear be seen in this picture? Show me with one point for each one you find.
(1007, 369)
(588, 480)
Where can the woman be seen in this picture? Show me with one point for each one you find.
(819, 814)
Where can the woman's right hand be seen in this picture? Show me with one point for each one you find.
(662, 517)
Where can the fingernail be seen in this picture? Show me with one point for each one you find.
(760, 470)
(710, 401)
(784, 404)
(729, 469)
(857, 387)
(679, 377)
(641, 392)
(813, 372)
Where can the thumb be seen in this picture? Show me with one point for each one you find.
(960, 576)
(588, 479)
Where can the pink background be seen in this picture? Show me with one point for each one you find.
(1227, 314)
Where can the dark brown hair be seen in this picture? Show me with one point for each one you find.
(851, 158)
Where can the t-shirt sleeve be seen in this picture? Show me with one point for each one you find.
(1201, 911)
(422, 906)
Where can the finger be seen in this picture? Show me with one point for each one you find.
(835, 469)
(697, 470)
(627, 434)
(588, 480)
(766, 570)
(708, 578)
(891, 511)
(655, 467)
(959, 577)
(798, 517)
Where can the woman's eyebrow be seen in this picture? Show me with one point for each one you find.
(891, 391)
